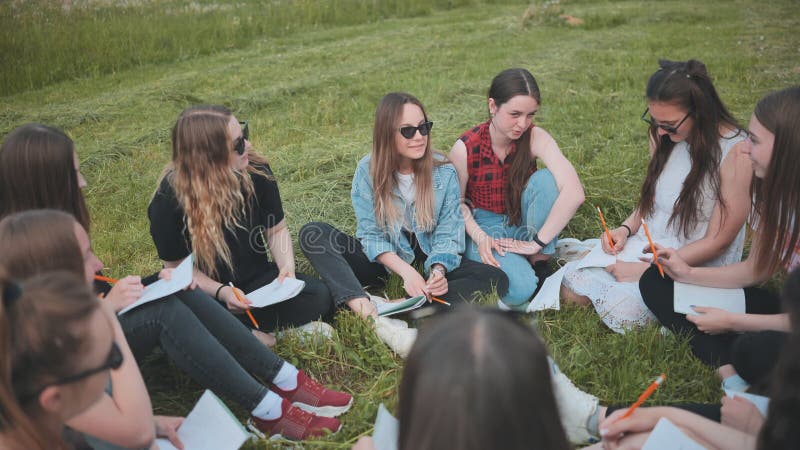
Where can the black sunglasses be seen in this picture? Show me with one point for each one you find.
(409, 131)
(238, 146)
(668, 128)
(113, 361)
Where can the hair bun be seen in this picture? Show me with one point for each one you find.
(696, 68)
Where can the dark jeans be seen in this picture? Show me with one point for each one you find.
(205, 342)
(342, 264)
(712, 349)
(312, 303)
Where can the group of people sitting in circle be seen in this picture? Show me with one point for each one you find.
(484, 219)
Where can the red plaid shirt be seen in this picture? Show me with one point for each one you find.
(486, 186)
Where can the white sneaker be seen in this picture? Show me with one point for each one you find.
(316, 331)
(399, 338)
(520, 308)
(575, 407)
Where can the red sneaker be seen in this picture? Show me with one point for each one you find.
(294, 424)
(315, 398)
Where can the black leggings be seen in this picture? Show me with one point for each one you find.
(753, 354)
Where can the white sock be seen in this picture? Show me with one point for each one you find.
(286, 379)
(269, 408)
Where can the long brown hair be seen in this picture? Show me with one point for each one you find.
(39, 241)
(477, 379)
(506, 85)
(688, 86)
(43, 336)
(37, 171)
(777, 195)
(783, 416)
(385, 160)
(208, 189)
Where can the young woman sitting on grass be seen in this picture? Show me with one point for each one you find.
(216, 199)
(39, 169)
(42, 240)
(57, 346)
(772, 146)
(406, 202)
(512, 210)
(494, 392)
(695, 195)
(742, 426)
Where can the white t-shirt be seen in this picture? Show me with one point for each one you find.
(408, 194)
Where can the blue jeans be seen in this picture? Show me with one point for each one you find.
(537, 200)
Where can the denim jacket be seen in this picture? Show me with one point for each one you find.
(443, 244)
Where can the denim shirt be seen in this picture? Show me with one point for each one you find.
(443, 244)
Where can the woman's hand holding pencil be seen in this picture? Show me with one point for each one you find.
(670, 261)
(125, 291)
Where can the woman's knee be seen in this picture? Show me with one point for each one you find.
(542, 182)
(313, 234)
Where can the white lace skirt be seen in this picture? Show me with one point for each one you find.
(619, 305)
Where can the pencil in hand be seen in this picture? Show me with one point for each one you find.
(653, 249)
(241, 300)
(106, 279)
(438, 300)
(645, 395)
(605, 227)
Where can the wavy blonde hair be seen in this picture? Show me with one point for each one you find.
(385, 160)
(214, 196)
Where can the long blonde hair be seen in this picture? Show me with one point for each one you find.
(208, 189)
(385, 160)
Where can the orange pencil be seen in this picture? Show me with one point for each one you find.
(106, 279)
(647, 393)
(437, 299)
(608, 233)
(241, 300)
(653, 249)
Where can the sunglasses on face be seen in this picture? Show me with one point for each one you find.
(409, 131)
(668, 128)
(238, 146)
(113, 361)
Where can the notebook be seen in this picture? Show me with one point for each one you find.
(686, 295)
(210, 426)
(275, 292)
(181, 279)
(666, 436)
(387, 430)
(390, 308)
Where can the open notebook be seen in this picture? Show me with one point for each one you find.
(181, 279)
(210, 426)
(389, 308)
(275, 292)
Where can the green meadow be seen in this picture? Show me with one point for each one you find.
(308, 75)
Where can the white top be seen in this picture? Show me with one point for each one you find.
(408, 194)
(668, 188)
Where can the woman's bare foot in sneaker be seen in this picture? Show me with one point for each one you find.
(570, 297)
(268, 339)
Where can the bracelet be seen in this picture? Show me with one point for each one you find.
(630, 232)
(538, 241)
(216, 294)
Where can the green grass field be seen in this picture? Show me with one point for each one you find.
(309, 91)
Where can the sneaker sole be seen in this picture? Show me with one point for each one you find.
(275, 437)
(324, 411)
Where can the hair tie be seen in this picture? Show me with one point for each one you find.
(11, 292)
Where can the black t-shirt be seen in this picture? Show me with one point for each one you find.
(251, 266)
